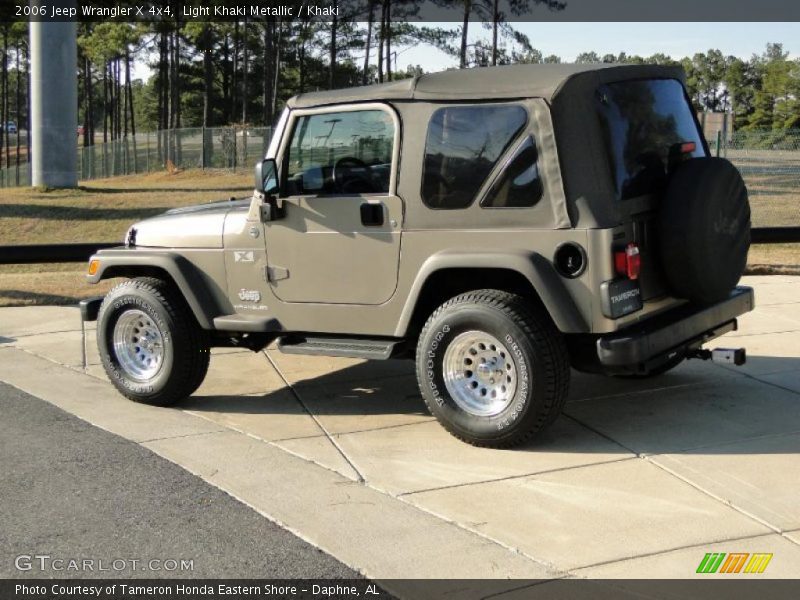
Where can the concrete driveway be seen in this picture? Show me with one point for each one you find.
(639, 479)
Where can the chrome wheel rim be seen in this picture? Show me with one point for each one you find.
(138, 345)
(479, 374)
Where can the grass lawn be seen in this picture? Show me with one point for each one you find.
(102, 210)
(98, 211)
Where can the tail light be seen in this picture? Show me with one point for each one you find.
(628, 261)
(679, 153)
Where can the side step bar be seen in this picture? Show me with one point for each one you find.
(373, 349)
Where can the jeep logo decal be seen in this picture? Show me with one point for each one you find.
(249, 295)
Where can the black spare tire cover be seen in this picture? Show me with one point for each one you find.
(704, 230)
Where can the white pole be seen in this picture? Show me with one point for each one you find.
(54, 103)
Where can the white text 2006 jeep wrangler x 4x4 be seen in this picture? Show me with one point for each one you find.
(497, 225)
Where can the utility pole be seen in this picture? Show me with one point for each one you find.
(54, 102)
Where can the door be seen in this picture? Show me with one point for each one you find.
(338, 239)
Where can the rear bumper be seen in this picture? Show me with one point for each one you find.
(656, 340)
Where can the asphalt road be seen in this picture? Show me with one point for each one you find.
(71, 491)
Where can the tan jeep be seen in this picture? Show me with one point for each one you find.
(498, 225)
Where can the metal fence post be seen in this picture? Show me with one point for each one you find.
(719, 142)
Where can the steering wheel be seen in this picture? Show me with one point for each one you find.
(347, 180)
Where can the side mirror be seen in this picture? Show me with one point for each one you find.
(266, 176)
(265, 203)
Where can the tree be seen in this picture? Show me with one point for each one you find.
(587, 57)
(775, 102)
(517, 7)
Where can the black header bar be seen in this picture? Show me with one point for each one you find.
(419, 11)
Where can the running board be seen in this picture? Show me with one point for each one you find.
(371, 349)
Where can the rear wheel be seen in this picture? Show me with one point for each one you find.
(492, 370)
(150, 344)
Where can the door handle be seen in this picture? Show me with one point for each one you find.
(372, 214)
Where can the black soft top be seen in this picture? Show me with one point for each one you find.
(545, 81)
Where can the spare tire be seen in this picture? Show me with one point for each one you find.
(704, 230)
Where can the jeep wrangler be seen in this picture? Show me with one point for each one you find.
(497, 225)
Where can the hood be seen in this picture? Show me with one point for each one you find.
(198, 226)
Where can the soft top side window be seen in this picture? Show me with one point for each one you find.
(462, 147)
(347, 152)
(519, 185)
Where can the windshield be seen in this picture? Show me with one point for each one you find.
(644, 122)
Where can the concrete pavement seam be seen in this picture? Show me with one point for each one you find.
(316, 420)
(716, 497)
(670, 550)
(775, 385)
(766, 436)
(510, 548)
(522, 587)
(602, 435)
(175, 437)
(357, 431)
(698, 487)
(451, 522)
(273, 443)
(27, 335)
(636, 392)
(744, 335)
(261, 512)
(512, 477)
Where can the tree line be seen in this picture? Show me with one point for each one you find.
(207, 74)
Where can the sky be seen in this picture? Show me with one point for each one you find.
(567, 40)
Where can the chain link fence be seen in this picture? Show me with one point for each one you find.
(768, 160)
(14, 165)
(229, 148)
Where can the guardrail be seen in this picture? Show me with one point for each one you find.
(50, 253)
(775, 235)
(68, 253)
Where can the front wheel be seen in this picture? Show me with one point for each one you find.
(150, 344)
(493, 370)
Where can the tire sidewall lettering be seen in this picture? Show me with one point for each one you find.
(113, 311)
(431, 362)
(436, 344)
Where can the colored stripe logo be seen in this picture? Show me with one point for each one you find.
(734, 562)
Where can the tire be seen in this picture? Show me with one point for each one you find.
(704, 230)
(531, 359)
(174, 361)
(659, 370)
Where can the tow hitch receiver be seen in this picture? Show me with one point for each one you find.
(735, 356)
(726, 356)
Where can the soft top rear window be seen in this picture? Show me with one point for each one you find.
(643, 121)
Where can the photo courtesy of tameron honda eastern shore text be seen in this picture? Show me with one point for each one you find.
(496, 225)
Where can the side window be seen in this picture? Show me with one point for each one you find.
(463, 145)
(341, 153)
(519, 185)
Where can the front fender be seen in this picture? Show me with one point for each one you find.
(536, 269)
(118, 262)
